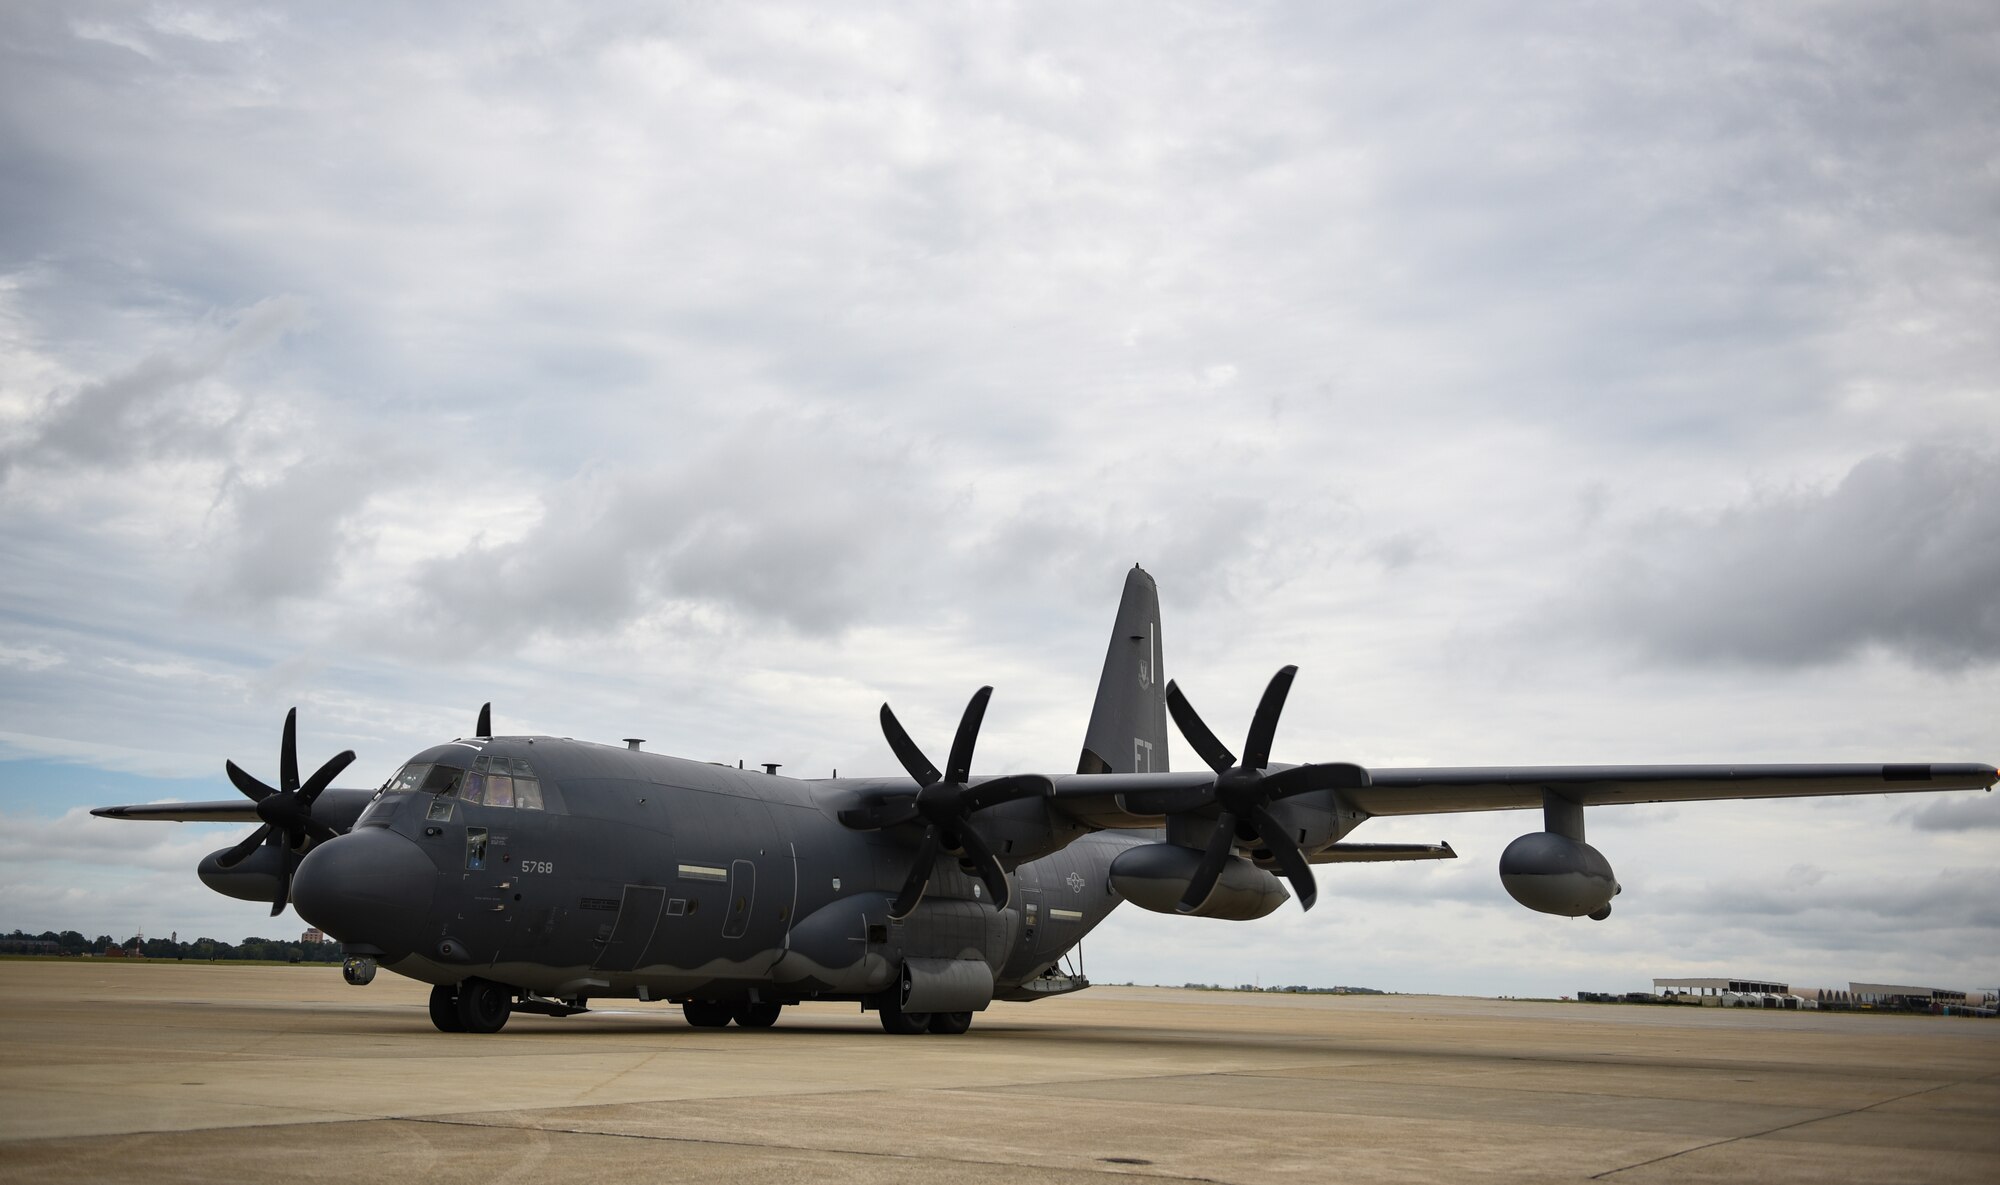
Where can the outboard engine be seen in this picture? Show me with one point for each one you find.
(1555, 871)
(254, 878)
(1154, 876)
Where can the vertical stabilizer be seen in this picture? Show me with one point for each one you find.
(1128, 724)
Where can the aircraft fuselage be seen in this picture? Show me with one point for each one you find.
(573, 870)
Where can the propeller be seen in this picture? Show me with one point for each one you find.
(945, 804)
(484, 729)
(286, 811)
(1244, 791)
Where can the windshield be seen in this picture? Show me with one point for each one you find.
(421, 776)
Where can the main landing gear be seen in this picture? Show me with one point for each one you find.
(475, 1006)
(895, 1020)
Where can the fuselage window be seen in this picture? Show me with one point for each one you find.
(475, 848)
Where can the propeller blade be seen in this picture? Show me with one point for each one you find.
(241, 851)
(285, 870)
(986, 865)
(960, 768)
(1199, 738)
(1202, 883)
(906, 750)
(920, 875)
(485, 726)
(1304, 779)
(1285, 851)
(288, 754)
(1007, 789)
(252, 789)
(324, 775)
(1264, 725)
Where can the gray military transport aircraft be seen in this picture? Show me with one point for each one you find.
(535, 874)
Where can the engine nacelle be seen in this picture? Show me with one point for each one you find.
(255, 879)
(1552, 873)
(1155, 876)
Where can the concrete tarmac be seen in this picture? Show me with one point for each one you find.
(166, 1072)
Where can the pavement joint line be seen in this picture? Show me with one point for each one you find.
(1788, 1126)
(910, 1156)
(1267, 1074)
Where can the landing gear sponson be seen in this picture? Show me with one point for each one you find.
(483, 1006)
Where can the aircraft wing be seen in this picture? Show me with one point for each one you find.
(1139, 800)
(238, 810)
(1499, 788)
(337, 807)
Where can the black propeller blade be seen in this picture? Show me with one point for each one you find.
(945, 804)
(1243, 791)
(286, 811)
(484, 729)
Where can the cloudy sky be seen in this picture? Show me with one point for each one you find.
(1552, 383)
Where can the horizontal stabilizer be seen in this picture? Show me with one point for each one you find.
(1368, 853)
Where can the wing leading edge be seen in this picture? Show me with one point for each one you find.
(1138, 800)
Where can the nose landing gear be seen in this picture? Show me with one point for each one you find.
(357, 970)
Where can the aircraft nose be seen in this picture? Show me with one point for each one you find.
(368, 886)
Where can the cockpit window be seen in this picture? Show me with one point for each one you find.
(425, 778)
(503, 782)
(407, 778)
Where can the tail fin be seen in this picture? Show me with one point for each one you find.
(1128, 723)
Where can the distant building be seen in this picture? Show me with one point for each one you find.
(1768, 993)
(1683, 985)
(313, 936)
(1901, 995)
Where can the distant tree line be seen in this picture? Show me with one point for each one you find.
(1297, 988)
(70, 942)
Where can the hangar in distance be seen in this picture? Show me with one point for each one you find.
(536, 874)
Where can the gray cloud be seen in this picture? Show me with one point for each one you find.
(1950, 900)
(1957, 812)
(807, 521)
(1903, 553)
(284, 537)
(146, 410)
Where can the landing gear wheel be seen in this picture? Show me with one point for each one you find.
(708, 1014)
(757, 1016)
(895, 1020)
(950, 1023)
(483, 1006)
(444, 1008)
